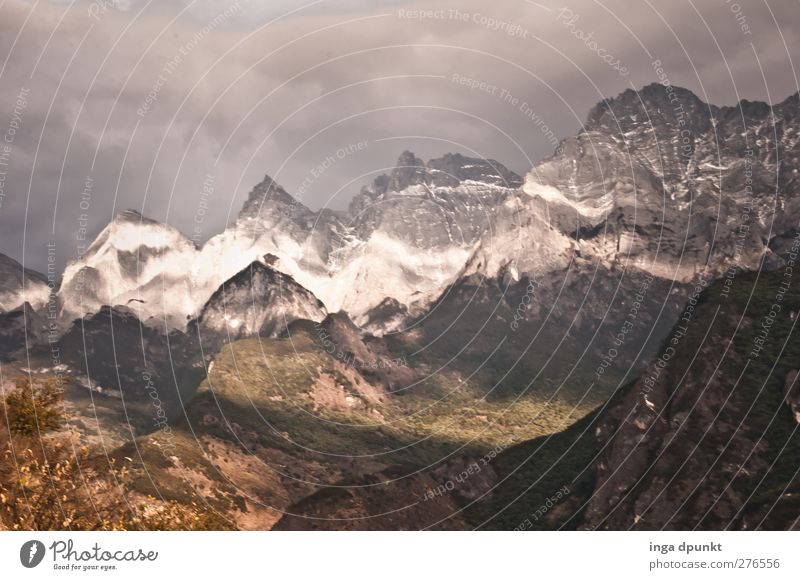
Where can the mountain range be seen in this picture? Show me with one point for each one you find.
(355, 360)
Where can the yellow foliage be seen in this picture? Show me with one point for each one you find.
(34, 408)
(56, 483)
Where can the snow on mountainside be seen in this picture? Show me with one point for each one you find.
(134, 262)
(656, 180)
(19, 285)
(403, 245)
(405, 238)
(676, 183)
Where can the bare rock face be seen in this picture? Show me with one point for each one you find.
(659, 172)
(451, 170)
(703, 439)
(448, 202)
(258, 301)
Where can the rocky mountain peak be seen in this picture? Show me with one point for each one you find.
(653, 106)
(133, 258)
(269, 196)
(409, 170)
(132, 216)
(450, 170)
(758, 109)
(791, 103)
(130, 230)
(259, 300)
(453, 168)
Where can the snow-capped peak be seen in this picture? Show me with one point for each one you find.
(134, 261)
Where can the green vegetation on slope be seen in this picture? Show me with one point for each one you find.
(295, 396)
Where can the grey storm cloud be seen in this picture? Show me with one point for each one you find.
(139, 103)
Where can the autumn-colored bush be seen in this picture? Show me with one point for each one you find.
(58, 485)
(177, 516)
(33, 408)
(43, 487)
(51, 481)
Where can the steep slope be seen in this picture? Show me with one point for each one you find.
(19, 285)
(258, 301)
(21, 328)
(155, 373)
(705, 438)
(575, 335)
(676, 185)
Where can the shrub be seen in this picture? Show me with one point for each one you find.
(57, 483)
(34, 408)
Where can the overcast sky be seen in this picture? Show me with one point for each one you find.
(107, 105)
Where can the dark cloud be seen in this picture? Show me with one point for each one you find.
(241, 89)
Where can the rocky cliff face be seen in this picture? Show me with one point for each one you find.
(258, 301)
(706, 437)
(673, 185)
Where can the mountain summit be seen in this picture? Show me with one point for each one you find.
(656, 179)
(450, 170)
